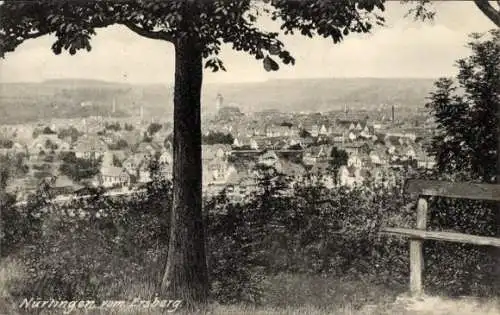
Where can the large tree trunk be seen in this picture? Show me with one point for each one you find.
(186, 274)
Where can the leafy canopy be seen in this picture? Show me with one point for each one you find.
(209, 24)
(466, 115)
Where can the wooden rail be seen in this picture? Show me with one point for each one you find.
(426, 188)
(446, 236)
(453, 190)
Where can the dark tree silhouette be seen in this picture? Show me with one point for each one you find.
(154, 128)
(218, 138)
(467, 121)
(338, 157)
(197, 29)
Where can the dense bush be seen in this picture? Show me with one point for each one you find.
(70, 132)
(154, 128)
(85, 246)
(78, 168)
(113, 126)
(218, 138)
(20, 226)
(89, 244)
(6, 143)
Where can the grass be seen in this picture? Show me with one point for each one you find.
(287, 294)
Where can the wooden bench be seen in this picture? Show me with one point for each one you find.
(424, 188)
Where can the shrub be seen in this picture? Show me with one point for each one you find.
(89, 244)
(83, 247)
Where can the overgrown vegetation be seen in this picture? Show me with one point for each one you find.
(78, 168)
(80, 249)
(466, 142)
(218, 138)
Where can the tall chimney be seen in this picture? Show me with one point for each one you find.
(392, 117)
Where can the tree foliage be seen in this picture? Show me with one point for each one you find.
(113, 126)
(218, 138)
(211, 23)
(338, 157)
(466, 114)
(154, 128)
(48, 131)
(78, 168)
(70, 132)
(6, 143)
(304, 133)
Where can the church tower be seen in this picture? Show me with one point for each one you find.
(218, 102)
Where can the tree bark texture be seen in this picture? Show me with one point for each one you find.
(186, 275)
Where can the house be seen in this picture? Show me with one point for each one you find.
(144, 174)
(89, 147)
(375, 157)
(355, 161)
(409, 152)
(378, 157)
(309, 159)
(367, 132)
(338, 138)
(279, 145)
(166, 171)
(277, 131)
(253, 144)
(391, 149)
(165, 158)
(323, 131)
(64, 185)
(112, 176)
(350, 176)
(220, 173)
(236, 143)
(356, 148)
(424, 160)
(324, 152)
(293, 131)
(133, 162)
(352, 136)
(149, 149)
(314, 130)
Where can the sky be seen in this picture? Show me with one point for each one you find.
(402, 48)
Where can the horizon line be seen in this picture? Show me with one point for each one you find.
(219, 83)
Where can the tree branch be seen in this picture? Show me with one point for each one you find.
(149, 34)
(34, 35)
(489, 11)
(9, 44)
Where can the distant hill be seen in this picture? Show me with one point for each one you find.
(322, 94)
(23, 102)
